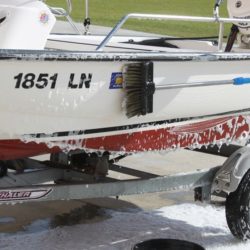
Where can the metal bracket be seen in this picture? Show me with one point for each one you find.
(203, 194)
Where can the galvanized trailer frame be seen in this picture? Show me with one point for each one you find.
(45, 184)
(51, 180)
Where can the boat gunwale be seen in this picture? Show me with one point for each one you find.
(48, 55)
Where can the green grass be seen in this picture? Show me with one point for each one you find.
(109, 12)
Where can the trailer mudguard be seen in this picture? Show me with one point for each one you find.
(229, 176)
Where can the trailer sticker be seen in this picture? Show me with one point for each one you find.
(116, 80)
(14, 195)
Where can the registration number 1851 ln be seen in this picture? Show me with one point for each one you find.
(44, 80)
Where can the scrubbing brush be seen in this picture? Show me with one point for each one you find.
(139, 87)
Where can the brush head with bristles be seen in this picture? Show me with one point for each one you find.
(139, 87)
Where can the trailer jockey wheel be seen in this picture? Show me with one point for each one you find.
(3, 170)
(238, 209)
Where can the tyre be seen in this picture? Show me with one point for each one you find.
(238, 209)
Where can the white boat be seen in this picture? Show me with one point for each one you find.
(90, 101)
(66, 92)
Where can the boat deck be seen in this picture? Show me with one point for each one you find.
(129, 43)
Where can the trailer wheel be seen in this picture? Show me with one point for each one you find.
(238, 209)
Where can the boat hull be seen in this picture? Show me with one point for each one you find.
(76, 100)
(192, 136)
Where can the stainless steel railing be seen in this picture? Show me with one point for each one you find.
(57, 11)
(214, 19)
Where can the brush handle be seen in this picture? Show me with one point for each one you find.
(241, 81)
(236, 81)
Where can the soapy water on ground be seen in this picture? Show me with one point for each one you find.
(107, 229)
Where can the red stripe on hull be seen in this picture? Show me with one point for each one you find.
(191, 135)
(208, 132)
(16, 149)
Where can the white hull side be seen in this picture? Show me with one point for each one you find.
(33, 110)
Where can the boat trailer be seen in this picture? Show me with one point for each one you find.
(67, 184)
(58, 179)
(62, 178)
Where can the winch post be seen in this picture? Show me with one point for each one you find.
(87, 21)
